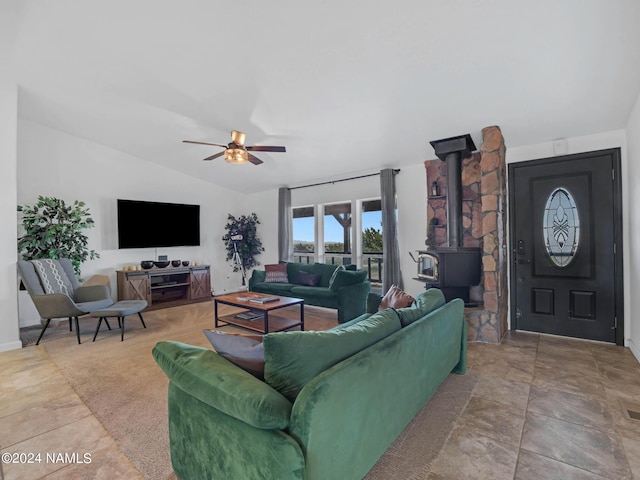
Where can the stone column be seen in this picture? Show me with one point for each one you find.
(493, 198)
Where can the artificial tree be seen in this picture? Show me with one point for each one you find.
(53, 229)
(242, 237)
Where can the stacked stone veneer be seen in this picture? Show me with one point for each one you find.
(484, 226)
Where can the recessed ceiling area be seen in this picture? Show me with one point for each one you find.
(347, 87)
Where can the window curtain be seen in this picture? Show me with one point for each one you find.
(285, 225)
(391, 273)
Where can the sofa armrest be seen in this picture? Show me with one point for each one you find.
(257, 276)
(219, 383)
(373, 302)
(352, 301)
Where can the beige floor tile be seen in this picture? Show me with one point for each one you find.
(586, 448)
(41, 419)
(582, 410)
(467, 455)
(502, 391)
(494, 420)
(87, 446)
(536, 467)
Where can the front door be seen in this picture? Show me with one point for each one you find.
(566, 249)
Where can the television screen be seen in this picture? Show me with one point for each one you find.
(154, 224)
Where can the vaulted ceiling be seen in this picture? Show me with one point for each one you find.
(347, 86)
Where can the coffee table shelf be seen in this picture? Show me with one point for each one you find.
(270, 322)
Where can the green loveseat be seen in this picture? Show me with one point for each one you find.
(347, 291)
(331, 404)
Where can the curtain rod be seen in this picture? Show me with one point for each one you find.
(395, 171)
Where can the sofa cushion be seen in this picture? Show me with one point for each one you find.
(395, 298)
(276, 273)
(308, 279)
(348, 277)
(424, 303)
(305, 292)
(245, 351)
(274, 288)
(292, 359)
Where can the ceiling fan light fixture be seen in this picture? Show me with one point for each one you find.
(236, 155)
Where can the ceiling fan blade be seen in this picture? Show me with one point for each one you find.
(204, 143)
(253, 159)
(265, 148)
(214, 156)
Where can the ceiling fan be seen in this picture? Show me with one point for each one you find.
(236, 152)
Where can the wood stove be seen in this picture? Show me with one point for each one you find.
(453, 268)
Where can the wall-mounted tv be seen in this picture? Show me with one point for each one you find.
(155, 224)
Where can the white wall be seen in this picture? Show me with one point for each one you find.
(9, 332)
(632, 227)
(53, 163)
(600, 141)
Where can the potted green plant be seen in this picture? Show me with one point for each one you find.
(53, 229)
(242, 242)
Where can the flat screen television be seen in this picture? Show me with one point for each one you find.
(155, 224)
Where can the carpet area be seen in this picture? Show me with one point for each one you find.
(127, 392)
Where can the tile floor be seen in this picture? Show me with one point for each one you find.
(543, 408)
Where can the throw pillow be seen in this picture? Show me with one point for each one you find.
(308, 279)
(335, 274)
(276, 273)
(395, 298)
(245, 351)
(347, 277)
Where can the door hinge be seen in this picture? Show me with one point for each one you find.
(615, 323)
(613, 174)
(615, 250)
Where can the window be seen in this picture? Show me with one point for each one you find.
(304, 234)
(337, 233)
(372, 239)
(561, 227)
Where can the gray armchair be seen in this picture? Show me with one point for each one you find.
(59, 305)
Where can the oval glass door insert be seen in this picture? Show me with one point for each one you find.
(561, 227)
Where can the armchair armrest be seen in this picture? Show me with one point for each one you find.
(219, 383)
(92, 293)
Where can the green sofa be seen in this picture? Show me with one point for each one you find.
(346, 292)
(331, 404)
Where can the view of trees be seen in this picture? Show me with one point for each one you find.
(371, 240)
(371, 243)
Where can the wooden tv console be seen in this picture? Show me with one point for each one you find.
(166, 287)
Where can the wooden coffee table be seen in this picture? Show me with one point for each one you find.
(267, 321)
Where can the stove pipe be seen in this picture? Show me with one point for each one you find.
(452, 151)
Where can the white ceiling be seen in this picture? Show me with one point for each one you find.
(348, 87)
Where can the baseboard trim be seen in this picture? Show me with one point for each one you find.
(634, 349)
(5, 347)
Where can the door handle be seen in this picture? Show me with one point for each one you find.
(522, 261)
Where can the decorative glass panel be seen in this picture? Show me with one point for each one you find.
(561, 227)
